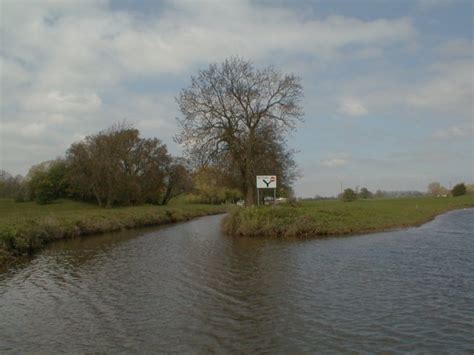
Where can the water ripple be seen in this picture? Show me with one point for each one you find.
(187, 288)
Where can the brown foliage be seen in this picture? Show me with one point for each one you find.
(116, 166)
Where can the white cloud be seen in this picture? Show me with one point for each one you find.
(335, 160)
(74, 45)
(459, 47)
(448, 91)
(57, 101)
(441, 90)
(433, 3)
(33, 130)
(455, 131)
(64, 64)
(352, 107)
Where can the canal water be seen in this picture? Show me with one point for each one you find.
(188, 288)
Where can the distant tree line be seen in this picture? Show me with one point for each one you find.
(10, 185)
(117, 167)
(110, 168)
(434, 189)
(113, 167)
(234, 123)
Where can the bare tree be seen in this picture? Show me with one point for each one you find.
(236, 112)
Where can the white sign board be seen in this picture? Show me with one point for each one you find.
(266, 181)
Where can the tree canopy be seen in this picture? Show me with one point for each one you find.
(436, 189)
(459, 190)
(240, 115)
(365, 193)
(349, 195)
(117, 166)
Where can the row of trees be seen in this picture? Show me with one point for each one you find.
(434, 189)
(112, 167)
(351, 195)
(9, 185)
(234, 123)
(118, 167)
(437, 190)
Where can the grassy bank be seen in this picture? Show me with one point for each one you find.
(339, 218)
(27, 227)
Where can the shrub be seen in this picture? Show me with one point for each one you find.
(459, 190)
(45, 192)
(349, 195)
(364, 193)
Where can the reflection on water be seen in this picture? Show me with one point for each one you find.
(190, 288)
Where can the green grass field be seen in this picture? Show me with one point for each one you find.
(319, 218)
(27, 227)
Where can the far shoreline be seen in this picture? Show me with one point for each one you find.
(304, 222)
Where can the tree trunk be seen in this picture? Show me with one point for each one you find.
(249, 199)
(98, 198)
(167, 196)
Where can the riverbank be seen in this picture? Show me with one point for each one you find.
(27, 227)
(324, 218)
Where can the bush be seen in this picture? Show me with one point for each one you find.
(364, 193)
(45, 192)
(459, 190)
(46, 182)
(349, 195)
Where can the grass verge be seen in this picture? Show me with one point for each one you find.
(27, 227)
(321, 218)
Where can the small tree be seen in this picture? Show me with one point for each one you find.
(379, 194)
(349, 195)
(470, 189)
(177, 180)
(436, 189)
(364, 193)
(46, 182)
(459, 190)
(44, 190)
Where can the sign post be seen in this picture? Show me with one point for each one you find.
(266, 182)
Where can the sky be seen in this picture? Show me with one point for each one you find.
(388, 84)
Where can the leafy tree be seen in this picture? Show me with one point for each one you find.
(349, 195)
(118, 167)
(435, 189)
(44, 190)
(364, 193)
(240, 115)
(379, 194)
(212, 185)
(470, 189)
(459, 190)
(47, 181)
(10, 186)
(177, 179)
